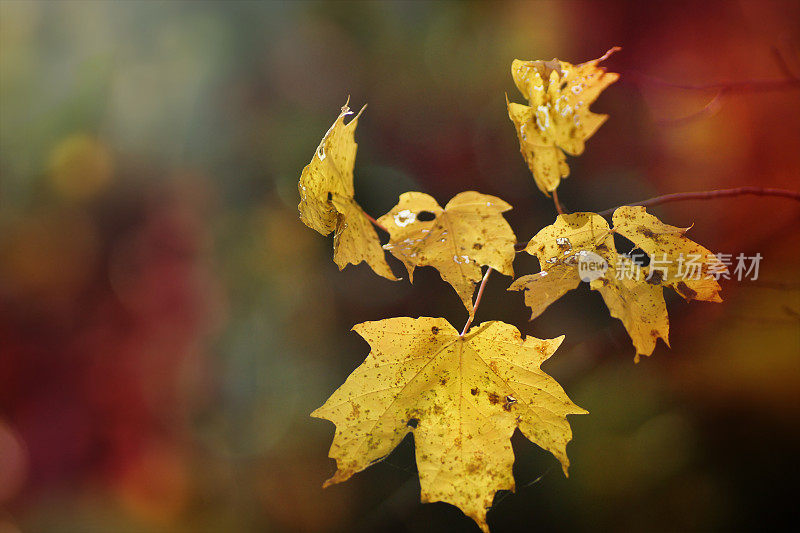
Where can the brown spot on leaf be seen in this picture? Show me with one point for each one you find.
(542, 349)
(434, 330)
(647, 232)
(474, 391)
(412, 422)
(494, 398)
(477, 246)
(474, 467)
(655, 277)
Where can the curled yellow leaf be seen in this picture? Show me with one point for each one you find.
(327, 200)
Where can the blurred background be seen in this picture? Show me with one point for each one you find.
(167, 323)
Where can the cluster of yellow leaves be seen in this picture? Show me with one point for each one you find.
(461, 397)
(638, 303)
(557, 118)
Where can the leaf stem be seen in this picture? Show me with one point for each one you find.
(709, 195)
(375, 222)
(557, 203)
(477, 301)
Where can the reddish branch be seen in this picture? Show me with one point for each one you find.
(477, 301)
(709, 195)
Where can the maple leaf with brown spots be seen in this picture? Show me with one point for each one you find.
(462, 397)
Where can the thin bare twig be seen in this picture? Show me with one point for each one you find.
(709, 195)
(477, 301)
(735, 87)
(709, 110)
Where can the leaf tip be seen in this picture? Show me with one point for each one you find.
(611, 51)
(338, 477)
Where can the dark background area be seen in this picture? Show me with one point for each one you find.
(167, 323)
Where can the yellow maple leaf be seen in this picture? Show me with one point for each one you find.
(327, 200)
(468, 233)
(557, 119)
(635, 297)
(461, 397)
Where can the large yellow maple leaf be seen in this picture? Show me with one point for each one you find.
(557, 118)
(632, 294)
(462, 397)
(468, 233)
(327, 200)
